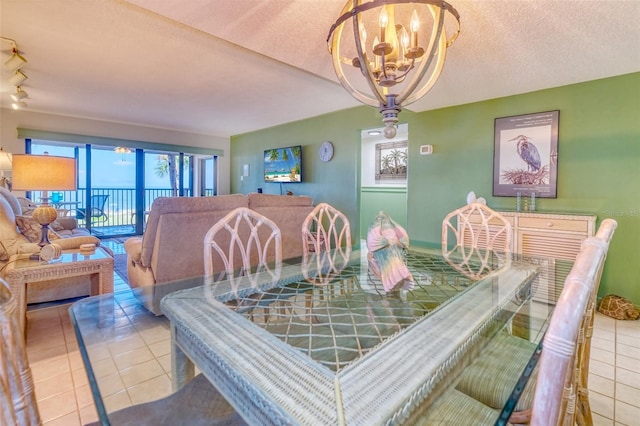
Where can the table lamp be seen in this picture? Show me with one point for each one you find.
(44, 173)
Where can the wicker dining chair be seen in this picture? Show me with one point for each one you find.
(478, 226)
(554, 400)
(583, 408)
(552, 403)
(17, 397)
(243, 241)
(485, 379)
(326, 243)
(472, 237)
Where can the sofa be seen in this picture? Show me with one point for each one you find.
(20, 234)
(172, 246)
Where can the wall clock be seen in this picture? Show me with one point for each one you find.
(326, 151)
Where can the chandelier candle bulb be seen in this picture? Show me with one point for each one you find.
(384, 20)
(415, 26)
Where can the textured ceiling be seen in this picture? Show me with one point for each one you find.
(225, 67)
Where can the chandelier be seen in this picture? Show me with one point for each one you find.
(405, 57)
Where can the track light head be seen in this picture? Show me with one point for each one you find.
(19, 94)
(18, 78)
(16, 61)
(19, 105)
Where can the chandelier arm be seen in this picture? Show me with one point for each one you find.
(432, 80)
(402, 76)
(377, 3)
(435, 38)
(364, 64)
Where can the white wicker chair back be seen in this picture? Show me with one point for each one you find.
(243, 241)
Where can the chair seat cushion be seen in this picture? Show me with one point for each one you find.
(491, 377)
(454, 408)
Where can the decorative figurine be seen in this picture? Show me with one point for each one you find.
(386, 241)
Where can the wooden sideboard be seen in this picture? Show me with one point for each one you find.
(546, 236)
(549, 234)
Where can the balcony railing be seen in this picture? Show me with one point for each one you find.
(120, 206)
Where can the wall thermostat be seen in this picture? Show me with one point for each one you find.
(426, 149)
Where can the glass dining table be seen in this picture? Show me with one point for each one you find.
(319, 341)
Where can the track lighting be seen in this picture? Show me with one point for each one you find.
(19, 105)
(18, 78)
(19, 95)
(16, 61)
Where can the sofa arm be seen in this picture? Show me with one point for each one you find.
(74, 242)
(133, 247)
(70, 243)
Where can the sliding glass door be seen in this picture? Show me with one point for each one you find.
(117, 185)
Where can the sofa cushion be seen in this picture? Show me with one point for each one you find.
(217, 206)
(270, 200)
(289, 220)
(31, 229)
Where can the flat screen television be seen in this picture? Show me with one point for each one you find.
(283, 165)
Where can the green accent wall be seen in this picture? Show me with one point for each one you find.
(598, 163)
(392, 200)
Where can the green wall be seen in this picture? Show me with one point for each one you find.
(598, 162)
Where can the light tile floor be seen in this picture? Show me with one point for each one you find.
(64, 397)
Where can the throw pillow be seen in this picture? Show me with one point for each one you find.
(56, 226)
(31, 229)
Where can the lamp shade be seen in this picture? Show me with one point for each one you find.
(43, 173)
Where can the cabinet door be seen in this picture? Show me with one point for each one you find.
(561, 246)
(558, 245)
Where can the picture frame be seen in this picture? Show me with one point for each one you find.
(391, 161)
(525, 155)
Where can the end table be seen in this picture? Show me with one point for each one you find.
(21, 271)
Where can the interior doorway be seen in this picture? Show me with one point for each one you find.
(383, 176)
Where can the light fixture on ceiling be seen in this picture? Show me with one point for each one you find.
(19, 94)
(16, 61)
(124, 151)
(18, 78)
(374, 132)
(405, 58)
(19, 105)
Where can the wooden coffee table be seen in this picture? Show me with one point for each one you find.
(21, 271)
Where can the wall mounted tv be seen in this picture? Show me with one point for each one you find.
(283, 165)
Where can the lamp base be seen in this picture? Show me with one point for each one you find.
(44, 240)
(44, 215)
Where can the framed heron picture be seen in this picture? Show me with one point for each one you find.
(525, 156)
